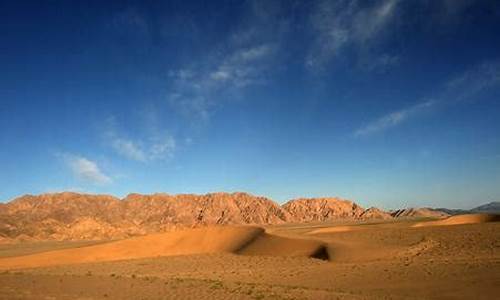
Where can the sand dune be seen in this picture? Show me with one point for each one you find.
(333, 229)
(462, 219)
(383, 260)
(246, 240)
(273, 245)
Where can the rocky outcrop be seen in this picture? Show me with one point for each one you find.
(418, 213)
(64, 216)
(375, 213)
(322, 209)
(72, 216)
(163, 210)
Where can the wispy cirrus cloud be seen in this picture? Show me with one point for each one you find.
(86, 169)
(151, 147)
(393, 119)
(132, 26)
(464, 87)
(474, 80)
(195, 90)
(127, 148)
(245, 58)
(338, 25)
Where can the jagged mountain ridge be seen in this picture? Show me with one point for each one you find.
(322, 209)
(74, 216)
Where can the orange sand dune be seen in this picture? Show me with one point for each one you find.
(462, 219)
(245, 240)
(268, 244)
(333, 229)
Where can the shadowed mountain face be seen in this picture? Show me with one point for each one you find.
(492, 207)
(418, 213)
(375, 213)
(73, 216)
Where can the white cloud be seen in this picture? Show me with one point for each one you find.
(479, 78)
(393, 118)
(197, 89)
(240, 68)
(340, 24)
(381, 63)
(128, 149)
(86, 169)
(155, 145)
(162, 148)
(72, 189)
(464, 87)
(245, 58)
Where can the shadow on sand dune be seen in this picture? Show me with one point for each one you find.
(242, 240)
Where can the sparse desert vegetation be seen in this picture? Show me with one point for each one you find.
(377, 260)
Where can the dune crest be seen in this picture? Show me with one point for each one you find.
(245, 240)
(462, 219)
(334, 229)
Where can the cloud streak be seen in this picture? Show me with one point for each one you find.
(473, 81)
(393, 119)
(157, 146)
(128, 148)
(464, 87)
(244, 59)
(196, 89)
(342, 24)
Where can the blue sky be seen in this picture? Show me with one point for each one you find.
(389, 103)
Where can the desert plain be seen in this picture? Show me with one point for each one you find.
(457, 257)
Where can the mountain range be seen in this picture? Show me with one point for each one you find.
(74, 216)
(492, 207)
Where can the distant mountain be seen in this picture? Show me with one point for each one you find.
(490, 208)
(451, 211)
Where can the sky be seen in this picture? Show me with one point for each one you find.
(388, 103)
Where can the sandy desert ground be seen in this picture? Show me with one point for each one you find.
(456, 258)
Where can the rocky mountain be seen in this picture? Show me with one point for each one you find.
(375, 213)
(322, 209)
(161, 210)
(64, 216)
(73, 216)
(423, 212)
